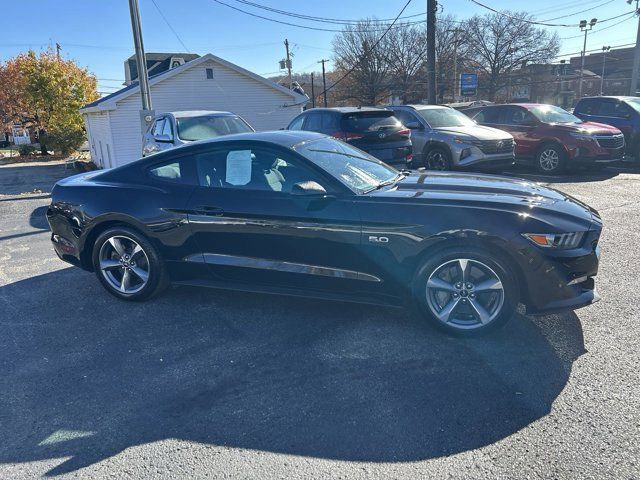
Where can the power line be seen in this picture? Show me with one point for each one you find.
(600, 29)
(169, 25)
(579, 12)
(535, 22)
(337, 21)
(306, 26)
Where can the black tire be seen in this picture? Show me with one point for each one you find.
(437, 158)
(148, 261)
(550, 159)
(500, 305)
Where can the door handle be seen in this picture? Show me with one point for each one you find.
(209, 210)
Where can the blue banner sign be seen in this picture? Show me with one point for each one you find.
(468, 84)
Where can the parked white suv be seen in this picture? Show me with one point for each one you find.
(171, 129)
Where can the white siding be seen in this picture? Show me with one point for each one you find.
(256, 102)
(99, 136)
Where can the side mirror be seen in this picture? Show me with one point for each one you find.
(163, 139)
(308, 189)
(414, 126)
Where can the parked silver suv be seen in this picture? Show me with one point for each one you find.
(445, 139)
(171, 129)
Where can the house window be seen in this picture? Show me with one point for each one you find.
(209, 73)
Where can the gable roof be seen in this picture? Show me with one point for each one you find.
(160, 62)
(109, 102)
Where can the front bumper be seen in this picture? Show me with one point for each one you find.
(561, 280)
(474, 157)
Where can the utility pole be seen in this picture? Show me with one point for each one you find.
(604, 61)
(583, 28)
(455, 32)
(636, 57)
(432, 5)
(324, 82)
(58, 48)
(286, 46)
(147, 113)
(313, 93)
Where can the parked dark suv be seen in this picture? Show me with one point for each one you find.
(552, 138)
(620, 112)
(374, 130)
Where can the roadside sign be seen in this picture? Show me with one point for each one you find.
(468, 84)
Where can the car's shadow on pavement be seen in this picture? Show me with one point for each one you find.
(86, 376)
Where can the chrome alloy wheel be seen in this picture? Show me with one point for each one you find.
(465, 293)
(124, 264)
(549, 159)
(436, 161)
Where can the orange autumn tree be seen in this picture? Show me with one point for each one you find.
(47, 93)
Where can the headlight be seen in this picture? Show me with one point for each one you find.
(555, 240)
(581, 136)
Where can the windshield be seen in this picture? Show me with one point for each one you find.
(634, 103)
(210, 126)
(356, 169)
(551, 114)
(445, 117)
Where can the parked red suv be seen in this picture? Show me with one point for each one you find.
(552, 137)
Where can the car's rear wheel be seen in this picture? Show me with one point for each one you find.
(465, 291)
(438, 159)
(550, 159)
(128, 265)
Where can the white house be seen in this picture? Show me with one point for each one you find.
(206, 83)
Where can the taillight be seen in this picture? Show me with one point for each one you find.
(346, 136)
(405, 131)
(409, 157)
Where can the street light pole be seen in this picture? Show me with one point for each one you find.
(147, 113)
(604, 61)
(583, 28)
(636, 57)
(455, 32)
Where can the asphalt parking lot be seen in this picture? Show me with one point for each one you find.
(208, 384)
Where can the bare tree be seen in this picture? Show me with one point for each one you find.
(500, 43)
(406, 54)
(355, 50)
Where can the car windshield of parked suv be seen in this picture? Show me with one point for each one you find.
(552, 114)
(445, 117)
(369, 121)
(634, 103)
(210, 126)
(356, 169)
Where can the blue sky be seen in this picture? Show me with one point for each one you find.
(97, 33)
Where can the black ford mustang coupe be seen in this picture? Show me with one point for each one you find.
(304, 214)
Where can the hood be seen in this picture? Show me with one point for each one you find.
(592, 128)
(478, 132)
(489, 191)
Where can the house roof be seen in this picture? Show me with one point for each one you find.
(156, 62)
(109, 102)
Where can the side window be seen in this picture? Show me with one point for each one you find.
(253, 169)
(585, 107)
(516, 116)
(158, 127)
(167, 171)
(314, 122)
(167, 129)
(488, 115)
(297, 123)
(331, 122)
(608, 108)
(404, 116)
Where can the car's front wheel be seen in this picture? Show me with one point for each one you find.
(465, 291)
(550, 159)
(128, 265)
(438, 159)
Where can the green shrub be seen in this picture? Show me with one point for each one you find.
(26, 150)
(65, 140)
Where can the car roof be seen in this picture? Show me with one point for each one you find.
(194, 113)
(347, 109)
(421, 106)
(284, 138)
(610, 97)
